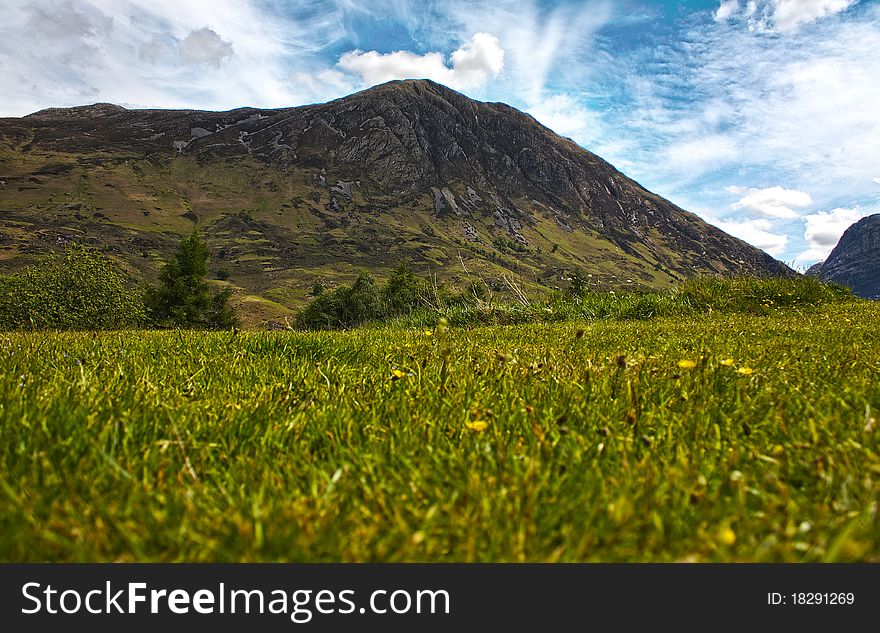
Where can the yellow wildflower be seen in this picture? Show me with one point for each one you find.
(745, 371)
(477, 425)
(727, 362)
(726, 536)
(396, 374)
(428, 333)
(686, 364)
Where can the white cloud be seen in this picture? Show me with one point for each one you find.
(787, 15)
(823, 230)
(160, 53)
(780, 15)
(773, 202)
(758, 233)
(877, 180)
(204, 46)
(470, 66)
(726, 9)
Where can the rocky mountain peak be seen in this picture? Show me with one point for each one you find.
(79, 112)
(855, 261)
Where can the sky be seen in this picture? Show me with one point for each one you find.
(760, 116)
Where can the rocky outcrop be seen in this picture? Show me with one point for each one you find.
(855, 261)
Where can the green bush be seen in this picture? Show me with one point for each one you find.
(403, 292)
(183, 298)
(76, 290)
(344, 307)
(350, 306)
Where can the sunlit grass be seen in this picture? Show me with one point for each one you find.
(720, 437)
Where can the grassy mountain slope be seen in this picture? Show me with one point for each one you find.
(404, 171)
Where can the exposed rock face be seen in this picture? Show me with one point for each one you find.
(406, 170)
(855, 261)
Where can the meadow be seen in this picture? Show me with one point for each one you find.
(705, 437)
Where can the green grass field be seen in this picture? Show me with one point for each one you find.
(562, 441)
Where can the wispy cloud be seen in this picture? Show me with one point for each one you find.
(780, 15)
(725, 95)
(181, 53)
(727, 9)
(778, 107)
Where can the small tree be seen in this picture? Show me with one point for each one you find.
(184, 298)
(77, 290)
(403, 291)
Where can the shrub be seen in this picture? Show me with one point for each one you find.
(346, 306)
(183, 298)
(403, 292)
(350, 306)
(77, 290)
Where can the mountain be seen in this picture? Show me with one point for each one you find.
(855, 261)
(408, 170)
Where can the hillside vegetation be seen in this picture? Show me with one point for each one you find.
(407, 300)
(83, 290)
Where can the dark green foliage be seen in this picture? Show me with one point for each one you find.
(505, 244)
(184, 299)
(77, 290)
(403, 292)
(350, 306)
(222, 273)
(344, 307)
(476, 292)
(710, 294)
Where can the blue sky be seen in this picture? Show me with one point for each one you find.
(761, 116)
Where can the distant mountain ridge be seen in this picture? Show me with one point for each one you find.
(855, 261)
(409, 170)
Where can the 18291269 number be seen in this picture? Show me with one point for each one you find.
(817, 598)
